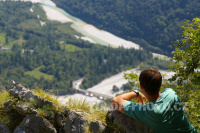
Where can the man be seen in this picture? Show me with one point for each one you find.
(163, 114)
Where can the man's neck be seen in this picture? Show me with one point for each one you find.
(154, 97)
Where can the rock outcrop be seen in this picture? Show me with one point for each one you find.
(35, 124)
(75, 123)
(24, 109)
(19, 91)
(4, 128)
(97, 126)
(64, 121)
(119, 122)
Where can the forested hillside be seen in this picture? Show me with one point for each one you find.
(154, 24)
(51, 57)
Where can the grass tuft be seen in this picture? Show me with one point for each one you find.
(76, 104)
(5, 96)
(10, 118)
(92, 112)
(40, 92)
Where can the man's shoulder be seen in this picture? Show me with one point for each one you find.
(167, 90)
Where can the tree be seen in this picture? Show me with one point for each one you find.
(187, 64)
(187, 55)
(115, 88)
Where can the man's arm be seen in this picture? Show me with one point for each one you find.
(119, 101)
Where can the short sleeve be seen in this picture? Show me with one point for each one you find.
(136, 111)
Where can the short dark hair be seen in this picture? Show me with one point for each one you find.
(151, 80)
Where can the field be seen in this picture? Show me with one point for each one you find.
(37, 74)
(70, 48)
(2, 38)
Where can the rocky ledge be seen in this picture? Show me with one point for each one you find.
(64, 121)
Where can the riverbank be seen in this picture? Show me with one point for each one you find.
(105, 87)
(90, 32)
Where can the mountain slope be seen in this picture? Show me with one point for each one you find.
(154, 24)
(51, 56)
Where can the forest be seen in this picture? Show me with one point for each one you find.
(154, 24)
(51, 57)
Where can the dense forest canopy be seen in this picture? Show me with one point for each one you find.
(154, 24)
(36, 55)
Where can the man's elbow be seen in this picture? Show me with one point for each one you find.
(114, 100)
(117, 104)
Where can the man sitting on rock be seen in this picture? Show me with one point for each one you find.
(163, 114)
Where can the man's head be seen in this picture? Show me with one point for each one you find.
(150, 80)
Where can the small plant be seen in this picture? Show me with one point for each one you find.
(5, 96)
(92, 112)
(40, 92)
(87, 129)
(10, 118)
(46, 111)
(79, 104)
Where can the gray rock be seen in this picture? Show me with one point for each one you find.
(8, 105)
(4, 128)
(19, 91)
(44, 102)
(122, 123)
(97, 126)
(20, 87)
(24, 109)
(59, 119)
(35, 124)
(75, 123)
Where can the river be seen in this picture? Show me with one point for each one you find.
(90, 32)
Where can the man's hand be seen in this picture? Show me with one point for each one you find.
(141, 98)
(119, 101)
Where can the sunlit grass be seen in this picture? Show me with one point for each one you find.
(11, 118)
(71, 48)
(87, 129)
(5, 96)
(46, 111)
(40, 92)
(37, 74)
(91, 111)
(2, 38)
(76, 104)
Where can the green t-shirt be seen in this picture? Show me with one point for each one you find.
(165, 115)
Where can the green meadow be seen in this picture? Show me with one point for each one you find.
(37, 74)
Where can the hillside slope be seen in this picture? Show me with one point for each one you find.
(153, 24)
(48, 54)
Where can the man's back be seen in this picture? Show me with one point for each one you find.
(165, 115)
